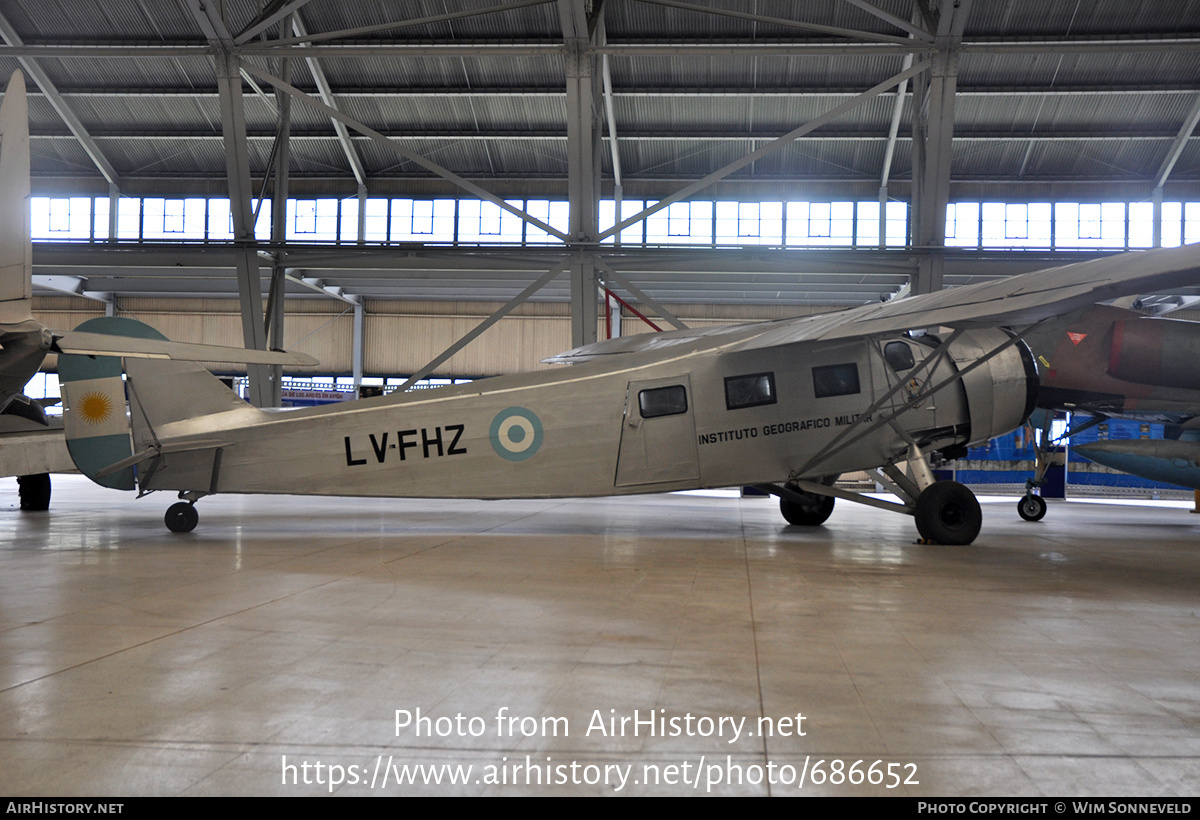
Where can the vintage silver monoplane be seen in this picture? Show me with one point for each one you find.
(786, 405)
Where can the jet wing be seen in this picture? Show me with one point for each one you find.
(1015, 300)
(99, 344)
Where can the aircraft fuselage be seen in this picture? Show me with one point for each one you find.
(703, 418)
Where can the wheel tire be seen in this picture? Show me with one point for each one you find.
(948, 513)
(34, 491)
(181, 517)
(1032, 508)
(811, 513)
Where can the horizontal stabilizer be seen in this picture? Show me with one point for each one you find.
(153, 452)
(100, 344)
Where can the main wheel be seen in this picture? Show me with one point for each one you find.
(948, 513)
(34, 491)
(1032, 508)
(182, 517)
(811, 512)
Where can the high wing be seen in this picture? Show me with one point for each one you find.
(99, 344)
(1016, 300)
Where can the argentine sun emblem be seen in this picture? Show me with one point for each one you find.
(516, 433)
(95, 407)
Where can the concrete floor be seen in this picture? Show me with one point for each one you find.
(1060, 658)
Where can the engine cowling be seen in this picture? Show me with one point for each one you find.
(1002, 391)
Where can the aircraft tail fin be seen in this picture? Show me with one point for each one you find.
(101, 434)
(16, 254)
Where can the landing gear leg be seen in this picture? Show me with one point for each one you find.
(946, 512)
(1032, 507)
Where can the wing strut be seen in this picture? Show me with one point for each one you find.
(909, 404)
(929, 361)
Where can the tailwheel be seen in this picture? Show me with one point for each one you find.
(948, 513)
(182, 517)
(810, 510)
(1032, 507)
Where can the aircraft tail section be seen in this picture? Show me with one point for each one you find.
(106, 441)
(94, 412)
(16, 254)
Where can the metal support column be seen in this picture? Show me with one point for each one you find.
(362, 214)
(357, 349)
(933, 137)
(583, 165)
(1157, 199)
(237, 171)
(114, 204)
(229, 83)
(277, 295)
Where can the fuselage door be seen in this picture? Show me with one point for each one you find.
(658, 433)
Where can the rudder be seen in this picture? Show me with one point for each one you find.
(94, 408)
(101, 432)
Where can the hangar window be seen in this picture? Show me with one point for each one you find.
(663, 401)
(899, 356)
(749, 391)
(835, 380)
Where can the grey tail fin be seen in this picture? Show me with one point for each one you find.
(16, 253)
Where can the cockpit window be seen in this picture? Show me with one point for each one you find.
(663, 401)
(835, 380)
(749, 391)
(899, 356)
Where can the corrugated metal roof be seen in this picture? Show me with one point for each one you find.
(504, 117)
(486, 97)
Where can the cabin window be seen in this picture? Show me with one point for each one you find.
(663, 401)
(749, 391)
(898, 355)
(835, 380)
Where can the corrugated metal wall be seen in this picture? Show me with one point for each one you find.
(401, 337)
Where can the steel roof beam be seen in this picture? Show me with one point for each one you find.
(1181, 141)
(326, 92)
(489, 48)
(898, 22)
(43, 81)
(272, 14)
(776, 144)
(723, 136)
(397, 24)
(392, 145)
(853, 34)
(661, 91)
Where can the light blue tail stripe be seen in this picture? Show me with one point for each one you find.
(91, 455)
